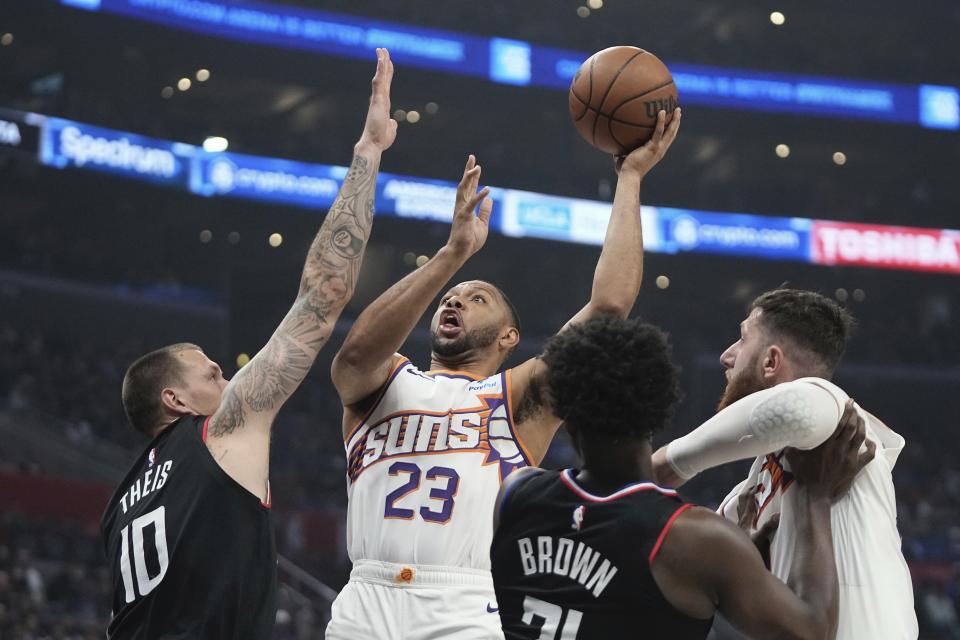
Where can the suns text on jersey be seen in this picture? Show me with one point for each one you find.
(416, 433)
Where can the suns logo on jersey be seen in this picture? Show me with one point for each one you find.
(773, 479)
(484, 429)
(152, 457)
(578, 514)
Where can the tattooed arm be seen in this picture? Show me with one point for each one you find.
(238, 435)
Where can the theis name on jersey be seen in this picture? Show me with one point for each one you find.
(564, 557)
(153, 479)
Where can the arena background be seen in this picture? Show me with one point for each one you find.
(116, 240)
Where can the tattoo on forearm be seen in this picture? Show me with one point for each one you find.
(329, 278)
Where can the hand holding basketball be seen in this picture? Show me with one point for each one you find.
(380, 130)
(468, 231)
(640, 161)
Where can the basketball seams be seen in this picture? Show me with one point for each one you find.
(620, 120)
(613, 81)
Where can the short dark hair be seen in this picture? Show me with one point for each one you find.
(812, 322)
(145, 379)
(514, 316)
(612, 376)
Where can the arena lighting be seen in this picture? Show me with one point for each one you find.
(662, 282)
(183, 84)
(413, 117)
(595, 4)
(422, 260)
(6, 39)
(522, 63)
(242, 360)
(583, 12)
(66, 144)
(275, 240)
(400, 115)
(839, 158)
(206, 236)
(431, 108)
(777, 18)
(203, 75)
(166, 93)
(215, 144)
(782, 150)
(859, 295)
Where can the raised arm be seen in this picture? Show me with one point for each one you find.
(801, 413)
(616, 281)
(238, 434)
(366, 358)
(619, 271)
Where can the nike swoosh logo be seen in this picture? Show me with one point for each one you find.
(492, 609)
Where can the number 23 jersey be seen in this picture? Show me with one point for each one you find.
(191, 552)
(424, 467)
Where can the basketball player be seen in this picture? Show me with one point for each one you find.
(188, 532)
(778, 396)
(427, 449)
(603, 552)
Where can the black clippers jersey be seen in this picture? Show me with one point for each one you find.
(569, 565)
(191, 552)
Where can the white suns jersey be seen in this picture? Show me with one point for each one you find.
(876, 593)
(424, 468)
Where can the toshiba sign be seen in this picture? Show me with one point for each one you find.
(890, 247)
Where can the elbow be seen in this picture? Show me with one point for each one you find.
(612, 308)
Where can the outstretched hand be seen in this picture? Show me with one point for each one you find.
(644, 158)
(380, 130)
(468, 232)
(832, 467)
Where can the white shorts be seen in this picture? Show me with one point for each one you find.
(416, 602)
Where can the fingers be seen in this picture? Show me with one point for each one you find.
(486, 208)
(476, 199)
(867, 456)
(672, 128)
(471, 163)
(383, 76)
(658, 132)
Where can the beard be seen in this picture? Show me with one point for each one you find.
(479, 338)
(742, 385)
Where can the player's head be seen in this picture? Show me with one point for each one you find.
(168, 383)
(788, 334)
(610, 378)
(474, 315)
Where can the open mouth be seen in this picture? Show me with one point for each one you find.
(450, 324)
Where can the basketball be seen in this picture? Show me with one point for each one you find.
(615, 97)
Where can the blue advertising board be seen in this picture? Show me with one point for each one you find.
(521, 63)
(65, 143)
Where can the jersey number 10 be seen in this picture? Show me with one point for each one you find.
(145, 582)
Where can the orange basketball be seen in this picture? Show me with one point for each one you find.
(616, 95)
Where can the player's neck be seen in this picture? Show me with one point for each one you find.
(473, 362)
(612, 463)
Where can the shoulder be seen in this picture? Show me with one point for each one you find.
(692, 529)
(512, 484)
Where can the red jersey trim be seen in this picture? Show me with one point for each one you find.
(663, 532)
(206, 423)
(568, 480)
